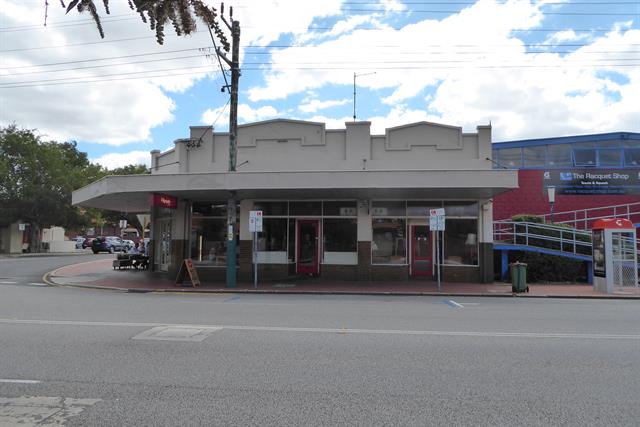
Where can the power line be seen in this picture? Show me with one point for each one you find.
(128, 76)
(413, 53)
(109, 58)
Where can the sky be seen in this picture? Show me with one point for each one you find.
(531, 69)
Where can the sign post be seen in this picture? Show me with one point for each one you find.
(436, 224)
(255, 225)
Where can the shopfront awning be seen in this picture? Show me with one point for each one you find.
(131, 193)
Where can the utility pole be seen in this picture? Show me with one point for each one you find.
(233, 142)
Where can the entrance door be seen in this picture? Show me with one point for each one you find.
(163, 246)
(308, 250)
(421, 259)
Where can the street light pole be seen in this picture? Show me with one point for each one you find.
(354, 91)
(551, 194)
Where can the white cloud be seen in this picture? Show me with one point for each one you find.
(566, 36)
(117, 160)
(311, 106)
(122, 102)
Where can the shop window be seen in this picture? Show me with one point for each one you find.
(340, 208)
(273, 237)
(559, 155)
(208, 240)
(461, 242)
(271, 208)
(340, 241)
(609, 157)
(388, 208)
(632, 157)
(421, 208)
(389, 244)
(584, 157)
(533, 156)
(305, 208)
(209, 209)
(461, 209)
(510, 157)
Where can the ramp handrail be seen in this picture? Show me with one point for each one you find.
(562, 239)
(584, 218)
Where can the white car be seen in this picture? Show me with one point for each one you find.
(128, 244)
(79, 241)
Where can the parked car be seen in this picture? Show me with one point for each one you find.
(107, 244)
(79, 241)
(87, 243)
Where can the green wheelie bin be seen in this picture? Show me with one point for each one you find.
(519, 277)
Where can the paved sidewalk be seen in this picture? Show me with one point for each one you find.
(100, 274)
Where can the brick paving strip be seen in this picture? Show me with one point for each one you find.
(100, 274)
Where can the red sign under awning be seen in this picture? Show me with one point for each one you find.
(164, 201)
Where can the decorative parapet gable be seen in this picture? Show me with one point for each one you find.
(442, 137)
(282, 131)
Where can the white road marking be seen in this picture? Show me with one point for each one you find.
(492, 334)
(456, 304)
(12, 381)
(3, 282)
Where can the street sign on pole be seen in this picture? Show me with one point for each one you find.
(436, 225)
(255, 221)
(255, 226)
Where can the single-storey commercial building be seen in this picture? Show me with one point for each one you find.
(341, 204)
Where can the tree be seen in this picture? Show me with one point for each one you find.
(181, 14)
(37, 178)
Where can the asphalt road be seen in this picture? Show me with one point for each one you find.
(88, 357)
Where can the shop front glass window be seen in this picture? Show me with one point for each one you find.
(271, 208)
(208, 240)
(559, 155)
(609, 157)
(388, 208)
(585, 157)
(389, 244)
(340, 208)
(305, 208)
(273, 237)
(632, 157)
(461, 242)
(533, 156)
(510, 157)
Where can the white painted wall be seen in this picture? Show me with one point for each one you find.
(291, 145)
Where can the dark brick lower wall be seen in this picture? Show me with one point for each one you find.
(460, 274)
(386, 273)
(245, 260)
(364, 262)
(486, 263)
(339, 272)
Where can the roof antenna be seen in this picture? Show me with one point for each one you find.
(354, 90)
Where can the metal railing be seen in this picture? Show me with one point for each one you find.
(551, 237)
(584, 218)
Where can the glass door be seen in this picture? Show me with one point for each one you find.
(163, 247)
(308, 249)
(421, 251)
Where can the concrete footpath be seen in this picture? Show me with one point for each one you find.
(100, 274)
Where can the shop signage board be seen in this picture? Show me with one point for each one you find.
(164, 201)
(593, 181)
